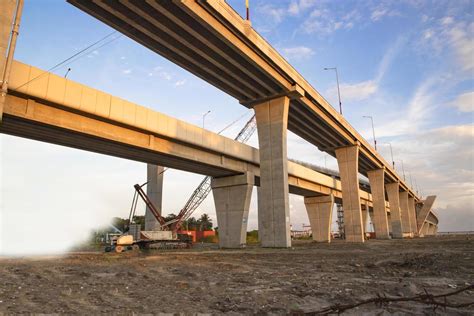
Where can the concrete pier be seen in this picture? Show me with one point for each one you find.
(232, 201)
(404, 212)
(393, 190)
(154, 190)
(347, 159)
(377, 187)
(365, 213)
(424, 212)
(412, 215)
(320, 211)
(273, 204)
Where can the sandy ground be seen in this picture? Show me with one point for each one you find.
(307, 277)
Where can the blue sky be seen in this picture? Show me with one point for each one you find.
(407, 63)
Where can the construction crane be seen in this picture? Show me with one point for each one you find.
(204, 188)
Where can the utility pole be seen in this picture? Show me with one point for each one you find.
(373, 129)
(338, 89)
(403, 170)
(391, 154)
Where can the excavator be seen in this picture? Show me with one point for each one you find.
(168, 237)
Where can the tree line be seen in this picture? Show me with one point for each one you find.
(198, 224)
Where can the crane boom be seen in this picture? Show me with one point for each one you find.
(204, 188)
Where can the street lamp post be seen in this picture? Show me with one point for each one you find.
(204, 117)
(391, 154)
(403, 170)
(338, 89)
(373, 129)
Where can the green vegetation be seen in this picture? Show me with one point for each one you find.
(252, 237)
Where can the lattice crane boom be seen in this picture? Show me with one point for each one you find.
(204, 188)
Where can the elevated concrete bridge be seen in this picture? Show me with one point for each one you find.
(209, 39)
(212, 41)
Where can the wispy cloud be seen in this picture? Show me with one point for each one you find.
(362, 90)
(464, 102)
(127, 71)
(180, 83)
(418, 112)
(298, 6)
(453, 37)
(298, 52)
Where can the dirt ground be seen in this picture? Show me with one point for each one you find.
(306, 278)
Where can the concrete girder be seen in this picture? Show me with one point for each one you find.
(320, 211)
(232, 197)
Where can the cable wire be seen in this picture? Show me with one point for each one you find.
(73, 56)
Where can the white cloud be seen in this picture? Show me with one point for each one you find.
(298, 52)
(455, 37)
(127, 71)
(378, 14)
(275, 13)
(464, 102)
(441, 161)
(365, 89)
(462, 40)
(297, 7)
(416, 114)
(381, 11)
(359, 91)
(180, 83)
(447, 20)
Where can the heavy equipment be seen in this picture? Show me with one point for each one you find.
(134, 238)
(168, 236)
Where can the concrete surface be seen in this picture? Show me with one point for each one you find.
(232, 197)
(347, 159)
(273, 204)
(320, 211)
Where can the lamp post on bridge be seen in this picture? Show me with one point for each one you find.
(403, 170)
(338, 90)
(204, 118)
(391, 154)
(373, 129)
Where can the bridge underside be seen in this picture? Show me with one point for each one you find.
(174, 30)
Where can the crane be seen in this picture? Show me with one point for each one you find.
(204, 188)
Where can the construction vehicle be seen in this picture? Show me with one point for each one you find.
(168, 236)
(134, 238)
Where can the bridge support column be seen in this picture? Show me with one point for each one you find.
(395, 217)
(347, 159)
(404, 213)
(232, 200)
(425, 210)
(377, 187)
(154, 190)
(273, 204)
(412, 215)
(320, 216)
(365, 212)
